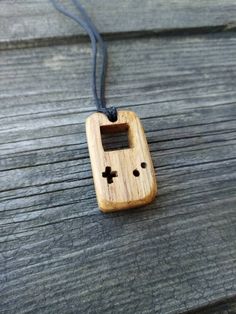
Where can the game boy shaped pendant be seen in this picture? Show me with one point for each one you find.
(123, 178)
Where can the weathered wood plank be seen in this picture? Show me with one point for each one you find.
(58, 252)
(37, 19)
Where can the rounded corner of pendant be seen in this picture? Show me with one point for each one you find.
(129, 113)
(90, 117)
(151, 195)
(106, 206)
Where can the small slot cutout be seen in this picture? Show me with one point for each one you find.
(136, 173)
(115, 137)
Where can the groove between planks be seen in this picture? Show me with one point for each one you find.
(37, 20)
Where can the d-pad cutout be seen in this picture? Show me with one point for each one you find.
(109, 174)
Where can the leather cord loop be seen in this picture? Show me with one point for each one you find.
(98, 88)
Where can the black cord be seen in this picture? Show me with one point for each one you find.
(86, 23)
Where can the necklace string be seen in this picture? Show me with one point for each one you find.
(98, 88)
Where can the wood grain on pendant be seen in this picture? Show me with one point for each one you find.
(123, 178)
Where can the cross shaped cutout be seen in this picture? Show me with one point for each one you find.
(109, 174)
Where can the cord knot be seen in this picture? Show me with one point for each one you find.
(111, 113)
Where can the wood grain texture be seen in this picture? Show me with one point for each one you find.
(59, 254)
(36, 19)
(133, 185)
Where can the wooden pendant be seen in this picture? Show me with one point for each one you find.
(123, 178)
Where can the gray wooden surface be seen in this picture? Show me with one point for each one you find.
(59, 254)
(37, 19)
